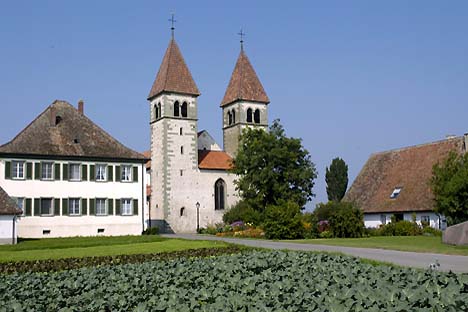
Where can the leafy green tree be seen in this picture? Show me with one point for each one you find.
(346, 220)
(273, 168)
(337, 179)
(449, 184)
(283, 221)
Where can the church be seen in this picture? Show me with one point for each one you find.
(191, 186)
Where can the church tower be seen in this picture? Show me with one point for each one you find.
(174, 151)
(244, 103)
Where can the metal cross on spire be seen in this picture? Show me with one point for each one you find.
(173, 21)
(241, 34)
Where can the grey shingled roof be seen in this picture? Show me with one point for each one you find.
(75, 135)
(7, 204)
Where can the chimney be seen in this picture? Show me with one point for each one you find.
(81, 107)
(52, 116)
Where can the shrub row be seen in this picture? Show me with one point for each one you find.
(75, 263)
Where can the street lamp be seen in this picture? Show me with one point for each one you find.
(198, 216)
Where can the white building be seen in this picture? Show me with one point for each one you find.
(190, 181)
(9, 212)
(397, 183)
(71, 178)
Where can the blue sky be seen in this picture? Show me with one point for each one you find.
(348, 77)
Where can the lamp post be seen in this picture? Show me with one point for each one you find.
(198, 216)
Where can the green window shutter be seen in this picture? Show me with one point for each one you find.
(117, 206)
(56, 207)
(37, 206)
(135, 207)
(57, 171)
(64, 206)
(92, 176)
(65, 172)
(37, 171)
(135, 174)
(118, 176)
(84, 206)
(29, 170)
(28, 207)
(92, 206)
(84, 172)
(7, 169)
(110, 173)
(110, 206)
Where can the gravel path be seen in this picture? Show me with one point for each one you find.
(410, 259)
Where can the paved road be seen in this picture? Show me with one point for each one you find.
(410, 259)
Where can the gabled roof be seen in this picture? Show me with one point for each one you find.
(244, 83)
(409, 169)
(61, 130)
(173, 74)
(7, 204)
(214, 160)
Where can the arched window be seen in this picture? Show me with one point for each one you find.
(182, 211)
(159, 110)
(249, 115)
(233, 116)
(184, 109)
(156, 111)
(229, 118)
(257, 116)
(220, 193)
(176, 109)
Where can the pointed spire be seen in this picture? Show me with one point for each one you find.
(173, 74)
(244, 83)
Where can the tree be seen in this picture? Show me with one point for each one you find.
(283, 221)
(449, 184)
(273, 168)
(347, 220)
(337, 179)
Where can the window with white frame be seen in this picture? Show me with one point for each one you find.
(426, 220)
(126, 173)
(75, 174)
(46, 206)
(126, 206)
(101, 207)
(74, 206)
(17, 170)
(383, 219)
(47, 170)
(20, 204)
(101, 172)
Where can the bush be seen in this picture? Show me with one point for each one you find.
(323, 211)
(151, 231)
(310, 224)
(283, 221)
(347, 220)
(242, 211)
(401, 228)
(326, 234)
(430, 231)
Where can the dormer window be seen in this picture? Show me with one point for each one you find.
(395, 192)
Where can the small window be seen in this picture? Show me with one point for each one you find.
(74, 207)
(159, 110)
(47, 170)
(229, 118)
(17, 170)
(181, 131)
(156, 111)
(46, 206)
(45, 232)
(425, 220)
(58, 119)
(257, 116)
(383, 219)
(181, 172)
(182, 211)
(233, 113)
(176, 109)
(20, 204)
(126, 173)
(184, 109)
(395, 192)
(75, 172)
(101, 172)
(101, 207)
(126, 207)
(100, 231)
(181, 150)
(249, 115)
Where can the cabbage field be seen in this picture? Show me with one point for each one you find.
(248, 281)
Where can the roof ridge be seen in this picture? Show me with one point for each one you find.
(399, 149)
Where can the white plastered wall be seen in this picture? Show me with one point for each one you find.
(8, 233)
(373, 220)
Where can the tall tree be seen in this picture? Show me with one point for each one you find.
(337, 179)
(273, 168)
(450, 187)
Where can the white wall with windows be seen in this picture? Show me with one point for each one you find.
(374, 220)
(76, 198)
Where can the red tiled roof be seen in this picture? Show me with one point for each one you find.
(409, 168)
(244, 83)
(214, 160)
(147, 155)
(173, 74)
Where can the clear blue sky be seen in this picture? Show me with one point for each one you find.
(348, 77)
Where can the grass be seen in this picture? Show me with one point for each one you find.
(425, 244)
(77, 247)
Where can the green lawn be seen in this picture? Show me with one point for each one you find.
(429, 244)
(56, 248)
